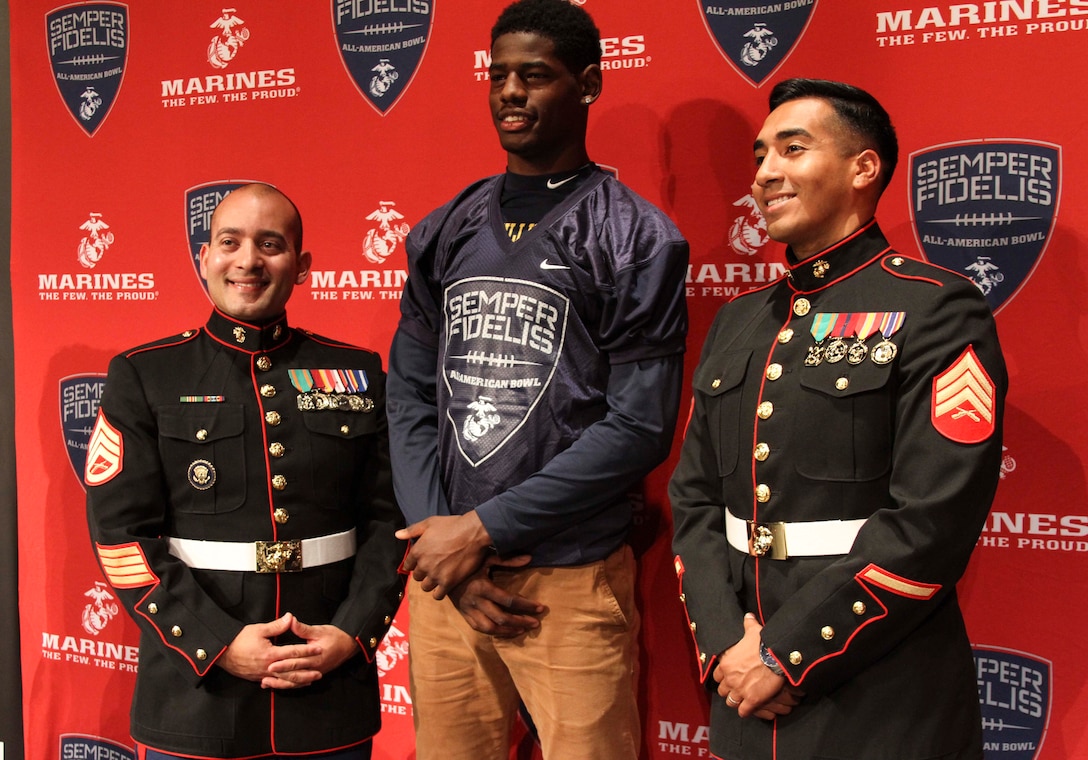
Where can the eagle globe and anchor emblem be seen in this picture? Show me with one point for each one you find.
(225, 45)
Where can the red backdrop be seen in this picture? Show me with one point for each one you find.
(129, 118)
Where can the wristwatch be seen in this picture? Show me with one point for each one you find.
(769, 660)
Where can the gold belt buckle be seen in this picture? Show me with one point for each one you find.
(767, 540)
(279, 556)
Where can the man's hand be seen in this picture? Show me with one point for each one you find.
(445, 550)
(333, 648)
(749, 685)
(493, 610)
(252, 653)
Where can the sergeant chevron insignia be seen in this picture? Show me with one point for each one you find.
(963, 400)
(105, 453)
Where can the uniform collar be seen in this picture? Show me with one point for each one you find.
(248, 337)
(836, 261)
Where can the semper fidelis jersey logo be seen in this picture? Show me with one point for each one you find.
(88, 47)
(200, 202)
(503, 342)
(756, 36)
(1014, 694)
(83, 745)
(986, 209)
(80, 396)
(381, 43)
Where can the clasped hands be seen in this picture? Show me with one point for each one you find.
(750, 686)
(254, 657)
(451, 556)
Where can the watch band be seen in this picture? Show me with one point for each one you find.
(768, 659)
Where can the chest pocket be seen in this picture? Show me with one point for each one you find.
(339, 444)
(203, 455)
(845, 430)
(718, 382)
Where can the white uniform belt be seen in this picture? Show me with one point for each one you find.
(263, 556)
(780, 540)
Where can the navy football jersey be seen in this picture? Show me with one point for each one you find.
(527, 331)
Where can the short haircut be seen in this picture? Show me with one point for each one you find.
(265, 189)
(576, 38)
(860, 113)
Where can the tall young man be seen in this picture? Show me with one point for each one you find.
(840, 460)
(534, 380)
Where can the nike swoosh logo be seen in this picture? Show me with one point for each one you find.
(552, 184)
(546, 265)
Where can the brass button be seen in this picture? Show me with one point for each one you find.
(765, 410)
(897, 261)
(827, 633)
(859, 608)
(268, 391)
(272, 418)
(202, 434)
(373, 643)
(187, 334)
(153, 608)
(842, 383)
(279, 482)
(345, 429)
(201, 654)
(801, 307)
(762, 452)
(276, 449)
(692, 626)
(785, 336)
(774, 371)
(388, 620)
(716, 384)
(281, 516)
(763, 493)
(264, 364)
(795, 658)
(176, 631)
(683, 598)
(400, 595)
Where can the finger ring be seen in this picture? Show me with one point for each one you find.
(732, 702)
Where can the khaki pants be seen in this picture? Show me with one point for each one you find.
(577, 674)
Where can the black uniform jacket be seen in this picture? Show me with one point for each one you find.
(788, 426)
(220, 434)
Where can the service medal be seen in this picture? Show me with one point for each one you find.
(857, 352)
(836, 352)
(822, 325)
(884, 352)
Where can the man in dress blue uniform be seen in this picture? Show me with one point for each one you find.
(534, 380)
(241, 504)
(840, 459)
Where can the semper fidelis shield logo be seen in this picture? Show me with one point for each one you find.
(80, 396)
(756, 36)
(83, 745)
(200, 202)
(88, 47)
(1014, 694)
(986, 209)
(381, 43)
(503, 341)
